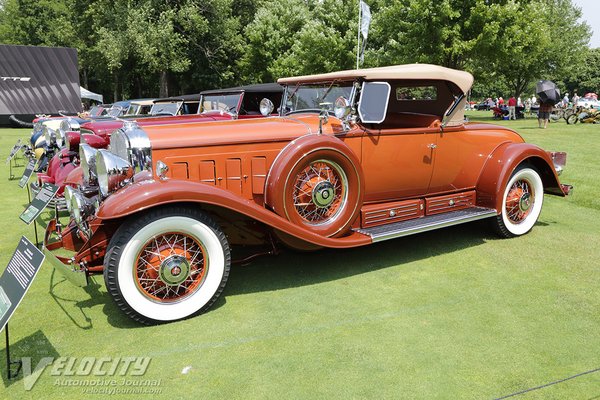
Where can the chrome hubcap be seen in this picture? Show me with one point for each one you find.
(323, 194)
(525, 202)
(174, 270)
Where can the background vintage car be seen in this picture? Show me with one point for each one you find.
(224, 104)
(356, 157)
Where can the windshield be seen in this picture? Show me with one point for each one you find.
(133, 109)
(95, 111)
(165, 108)
(115, 111)
(310, 97)
(221, 102)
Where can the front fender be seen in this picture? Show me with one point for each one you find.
(147, 194)
(500, 166)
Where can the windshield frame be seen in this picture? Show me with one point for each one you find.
(240, 95)
(327, 86)
(178, 103)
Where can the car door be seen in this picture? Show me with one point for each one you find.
(397, 162)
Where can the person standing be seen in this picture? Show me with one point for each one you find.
(544, 114)
(512, 108)
(575, 99)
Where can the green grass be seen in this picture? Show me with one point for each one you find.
(450, 314)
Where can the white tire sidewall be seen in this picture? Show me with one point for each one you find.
(535, 181)
(194, 302)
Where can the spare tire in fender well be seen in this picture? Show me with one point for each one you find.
(316, 181)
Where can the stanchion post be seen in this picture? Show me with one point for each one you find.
(37, 242)
(9, 362)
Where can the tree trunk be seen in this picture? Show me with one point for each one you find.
(116, 88)
(85, 77)
(164, 84)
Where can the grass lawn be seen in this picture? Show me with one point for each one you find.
(450, 314)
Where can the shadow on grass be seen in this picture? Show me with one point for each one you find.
(292, 269)
(37, 346)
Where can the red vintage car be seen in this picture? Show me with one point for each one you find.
(211, 105)
(354, 158)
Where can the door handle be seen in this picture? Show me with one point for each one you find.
(432, 145)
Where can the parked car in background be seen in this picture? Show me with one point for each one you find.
(212, 105)
(588, 102)
(355, 157)
(140, 107)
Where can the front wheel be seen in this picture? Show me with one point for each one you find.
(521, 203)
(572, 119)
(167, 264)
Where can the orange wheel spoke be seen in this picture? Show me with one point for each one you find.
(170, 267)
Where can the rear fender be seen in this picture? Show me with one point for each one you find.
(500, 166)
(148, 194)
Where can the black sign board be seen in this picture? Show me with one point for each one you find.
(16, 279)
(14, 151)
(37, 205)
(27, 173)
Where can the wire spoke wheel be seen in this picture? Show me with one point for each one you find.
(320, 192)
(167, 264)
(170, 267)
(521, 203)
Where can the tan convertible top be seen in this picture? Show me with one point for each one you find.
(462, 79)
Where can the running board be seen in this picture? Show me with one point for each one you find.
(428, 223)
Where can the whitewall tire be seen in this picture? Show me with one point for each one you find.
(167, 264)
(521, 203)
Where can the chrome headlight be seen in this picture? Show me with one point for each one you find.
(81, 207)
(49, 135)
(132, 144)
(69, 125)
(68, 195)
(113, 172)
(60, 138)
(87, 158)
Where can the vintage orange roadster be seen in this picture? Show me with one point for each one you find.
(354, 157)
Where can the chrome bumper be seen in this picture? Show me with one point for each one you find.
(63, 265)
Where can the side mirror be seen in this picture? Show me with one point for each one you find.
(266, 107)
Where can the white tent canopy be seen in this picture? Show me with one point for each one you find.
(86, 94)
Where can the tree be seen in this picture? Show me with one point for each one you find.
(514, 41)
(526, 41)
(584, 77)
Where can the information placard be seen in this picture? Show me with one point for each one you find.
(16, 279)
(14, 151)
(38, 204)
(27, 173)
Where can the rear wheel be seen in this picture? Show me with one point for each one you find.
(521, 203)
(166, 265)
(572, 119)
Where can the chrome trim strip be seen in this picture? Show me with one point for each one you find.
(429, 223)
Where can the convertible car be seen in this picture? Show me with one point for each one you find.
(354, 157)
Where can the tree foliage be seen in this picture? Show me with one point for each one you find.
(140, 48)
